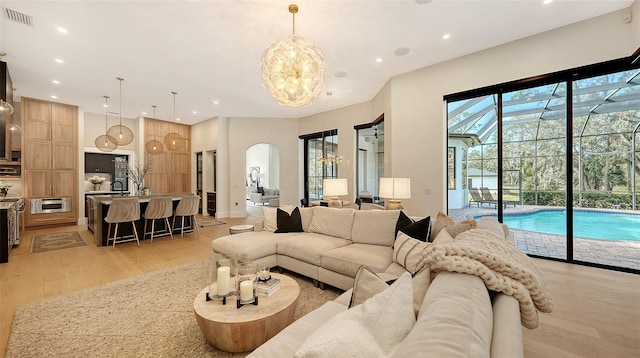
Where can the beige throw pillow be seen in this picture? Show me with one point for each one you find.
(374, 227)
(407, 251)
(372, 329)
(442, 221)
(366, 284)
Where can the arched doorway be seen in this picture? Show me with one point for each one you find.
(262, 179)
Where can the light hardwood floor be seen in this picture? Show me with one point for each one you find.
(597, 312)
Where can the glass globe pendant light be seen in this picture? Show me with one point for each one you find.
(6, 109)
(293, 69)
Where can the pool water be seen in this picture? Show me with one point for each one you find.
(586, 224)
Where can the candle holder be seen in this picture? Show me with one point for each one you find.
(222, 279)
(246, 288)
(264, 274)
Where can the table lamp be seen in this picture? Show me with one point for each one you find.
(395, 189)
(333, 188)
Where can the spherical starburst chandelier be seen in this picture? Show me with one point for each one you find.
(293, 69)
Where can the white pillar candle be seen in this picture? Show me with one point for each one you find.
(223, 280)
(246, 290)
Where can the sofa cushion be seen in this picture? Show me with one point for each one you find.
(309, 247)
(491, 224)
(285, 343)
(252, 245)
(306, 214)
(455, 320)
(332, 221)
(271, 217)
(366, 285)
(288, 222)
(372, 329)
(442, 220)
(419, 230)
(374, 227)
(407, 251)
(347, 260)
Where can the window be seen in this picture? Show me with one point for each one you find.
(318, 147)
(451, 168)
(370, 159)
(566, 140)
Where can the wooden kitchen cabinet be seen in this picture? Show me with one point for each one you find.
(49, 157)
(171, 169)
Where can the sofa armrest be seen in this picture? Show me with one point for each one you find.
(507, 338)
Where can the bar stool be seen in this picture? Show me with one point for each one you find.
(123, 210)
(158, 208)
(188, 206)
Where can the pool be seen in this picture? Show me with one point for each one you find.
(587, 224)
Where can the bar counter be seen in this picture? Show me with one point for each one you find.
(100, 227)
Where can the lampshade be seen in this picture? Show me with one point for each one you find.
(395, 188)
(293, 69)
(334, 187)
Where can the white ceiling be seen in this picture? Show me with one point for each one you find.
(211, 50)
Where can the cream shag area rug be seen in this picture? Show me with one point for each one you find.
(145, 316)
(57, 241)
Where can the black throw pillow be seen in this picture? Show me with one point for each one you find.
(260, 190)
(419, 230)
(403, 221)
(289, 223)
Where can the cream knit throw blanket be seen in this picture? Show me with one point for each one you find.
(499, 263)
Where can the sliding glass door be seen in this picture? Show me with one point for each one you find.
(556, 158)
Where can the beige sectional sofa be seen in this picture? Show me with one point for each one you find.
(455, 315)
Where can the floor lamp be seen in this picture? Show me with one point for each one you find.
(395, 189)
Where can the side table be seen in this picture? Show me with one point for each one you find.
(243, 329)
(236, 229)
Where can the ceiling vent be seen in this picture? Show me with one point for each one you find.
(18, 16)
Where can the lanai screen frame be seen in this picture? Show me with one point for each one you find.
(567, 77)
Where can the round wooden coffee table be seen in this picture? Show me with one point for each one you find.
(243, 329)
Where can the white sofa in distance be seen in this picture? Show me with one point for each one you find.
(334, 245)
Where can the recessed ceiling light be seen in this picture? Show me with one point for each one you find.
(401, 51)
(547, 2)
(216, 102)
(378, 60)
(58, 60)
(195, 112)
(55, 82)
(62, 30)
(144, 113)
(341, 74)
(178, 119)
(54, 96)
(446, 36)
(105, 105)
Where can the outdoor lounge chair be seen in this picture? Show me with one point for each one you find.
(488, 197)
(478, 199)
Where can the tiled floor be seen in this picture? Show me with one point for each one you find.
(607, 252)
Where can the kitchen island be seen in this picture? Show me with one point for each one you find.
(100, 227)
